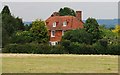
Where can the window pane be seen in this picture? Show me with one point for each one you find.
(52, 33)
(54, 24)
(64, 23)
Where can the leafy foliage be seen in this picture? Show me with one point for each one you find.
(117, 30)
(22, 37)
(20, 24)
(92, 27)
(27, 27)
(109, 36)
(79, 35)
(66, 12)
(39, 31)
(10, 24)
(34, 48)
(37, 34)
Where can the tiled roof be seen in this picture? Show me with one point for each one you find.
(72, 23)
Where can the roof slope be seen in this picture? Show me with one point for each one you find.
(72, 23)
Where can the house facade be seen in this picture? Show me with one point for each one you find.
(57, 25)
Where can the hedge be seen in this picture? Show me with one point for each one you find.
(73, 48)
(33, 48)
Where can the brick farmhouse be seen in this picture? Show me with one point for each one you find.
(57, 25)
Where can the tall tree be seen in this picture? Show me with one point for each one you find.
(92, 27)
(10, 24)
(66, 11)
(6, 10)
(39, 31)
(20, 24)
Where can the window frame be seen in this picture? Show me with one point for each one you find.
(52, 33)
(65, 23)
(63, 32)
(54, 24)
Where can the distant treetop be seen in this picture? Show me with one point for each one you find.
(66, 11)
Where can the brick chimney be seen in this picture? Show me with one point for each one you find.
(79, 15)
(55, 14)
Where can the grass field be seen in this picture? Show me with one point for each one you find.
(36, 63)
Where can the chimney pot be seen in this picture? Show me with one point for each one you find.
(55, 14)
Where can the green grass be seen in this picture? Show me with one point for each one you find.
(59, 64)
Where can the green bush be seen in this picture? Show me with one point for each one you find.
(42, 49)
(79, 35)
(114, 49)
(34, 48)
(66, 45)
(22, 37)
(58, 50)
(99, 49)
(77, 48)
(19, 48)
(109, 49)
(103, 42)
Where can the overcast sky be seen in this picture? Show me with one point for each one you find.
(30, 11)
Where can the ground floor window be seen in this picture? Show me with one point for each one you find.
(53, 43)
(53, 33)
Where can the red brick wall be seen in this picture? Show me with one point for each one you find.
(58, 36)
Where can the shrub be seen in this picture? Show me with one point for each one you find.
(114, 49)
(22, 37)
(19, 48)
(42, 49)
(34, 48)
(77, 48)
(58, 50)
(103, 42)
(66, 45)
(109, 49)
(79, 35)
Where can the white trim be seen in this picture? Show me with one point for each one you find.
(53, 43)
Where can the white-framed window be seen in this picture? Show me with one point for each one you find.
(53, 33)
(54, 43)
(64, 23)
(63, 32)
(54, 24)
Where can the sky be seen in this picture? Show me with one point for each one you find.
(30, 11)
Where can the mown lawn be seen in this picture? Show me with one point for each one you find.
(36, 63)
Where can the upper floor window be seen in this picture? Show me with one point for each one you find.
(54, 24)
(64, 23)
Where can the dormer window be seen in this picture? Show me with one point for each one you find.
(54, 24)
(64, 23)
